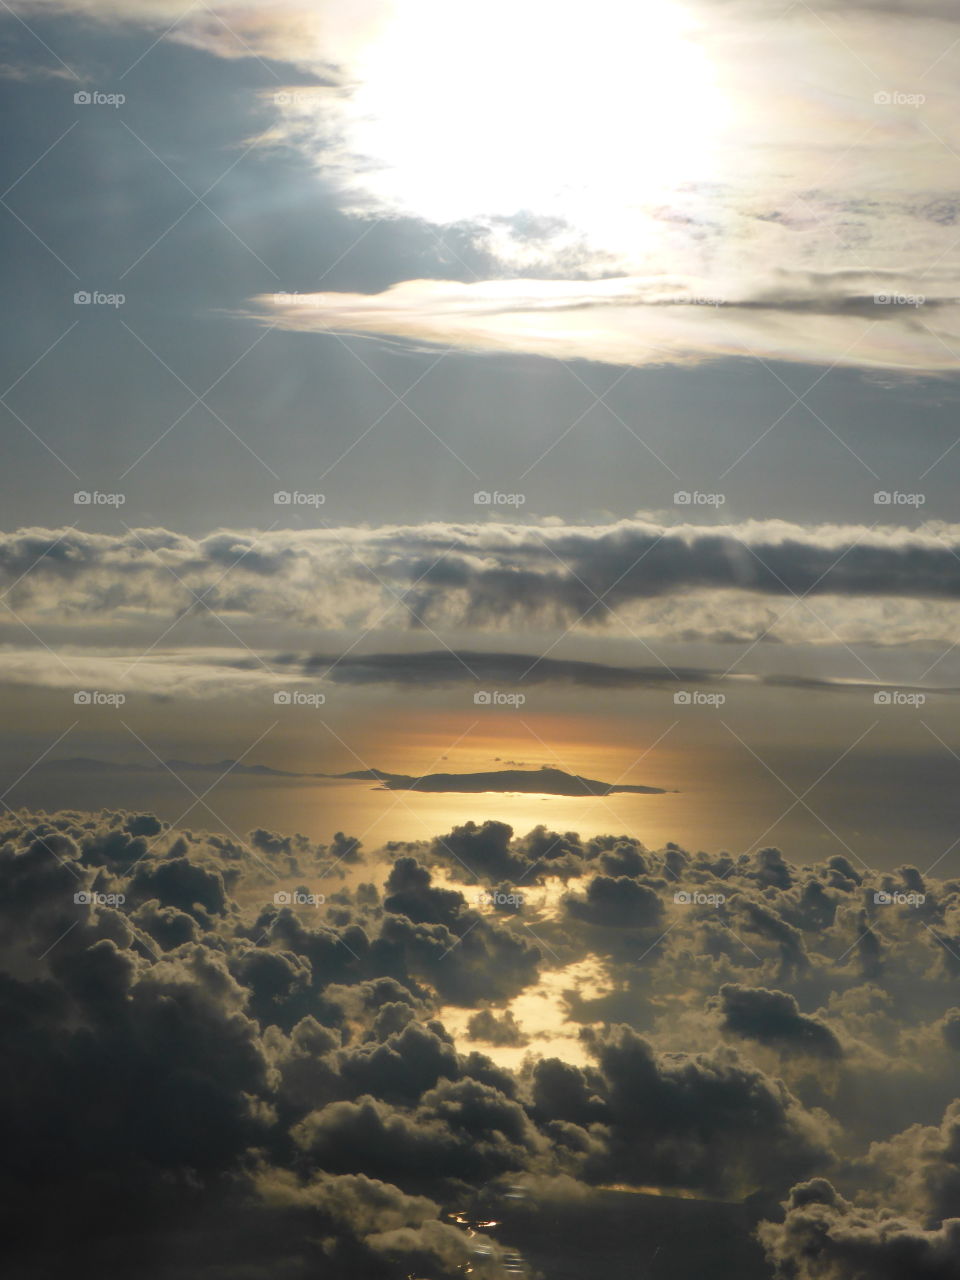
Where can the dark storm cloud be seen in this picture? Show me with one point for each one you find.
(504, 1031)
(618, 901)
(147, 1045)
(490, 963)
(483, 851)
(666, 1120)
(462, 1130)
(773, 1017)
(410, 893)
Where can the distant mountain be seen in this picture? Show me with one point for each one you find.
(86, 764)
(543, 781)
(233, 766)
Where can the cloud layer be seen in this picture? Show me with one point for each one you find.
(473, 574)
(236, 1034)
(868, 320)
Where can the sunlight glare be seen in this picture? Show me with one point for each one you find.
(541, 110)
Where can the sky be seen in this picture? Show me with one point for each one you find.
(443, 394)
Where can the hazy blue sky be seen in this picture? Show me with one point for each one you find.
(399, 292)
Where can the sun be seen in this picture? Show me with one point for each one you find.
(528, 114)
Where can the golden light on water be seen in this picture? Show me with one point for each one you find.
(630, 750)
(542, 1013)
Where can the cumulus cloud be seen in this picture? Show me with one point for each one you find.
(824, 1237)
(773, 1017)
(504, 1031)
(289, 1071)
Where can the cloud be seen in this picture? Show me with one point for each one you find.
(773, 1017)
(505, 1031)
(460, 1130)
(686, 235)
(618, 901)
(280, 1074)
(669, 1118)
(824, 1237)
(882, 320)
(642, 576)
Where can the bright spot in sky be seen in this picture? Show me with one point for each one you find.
(587, 114)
